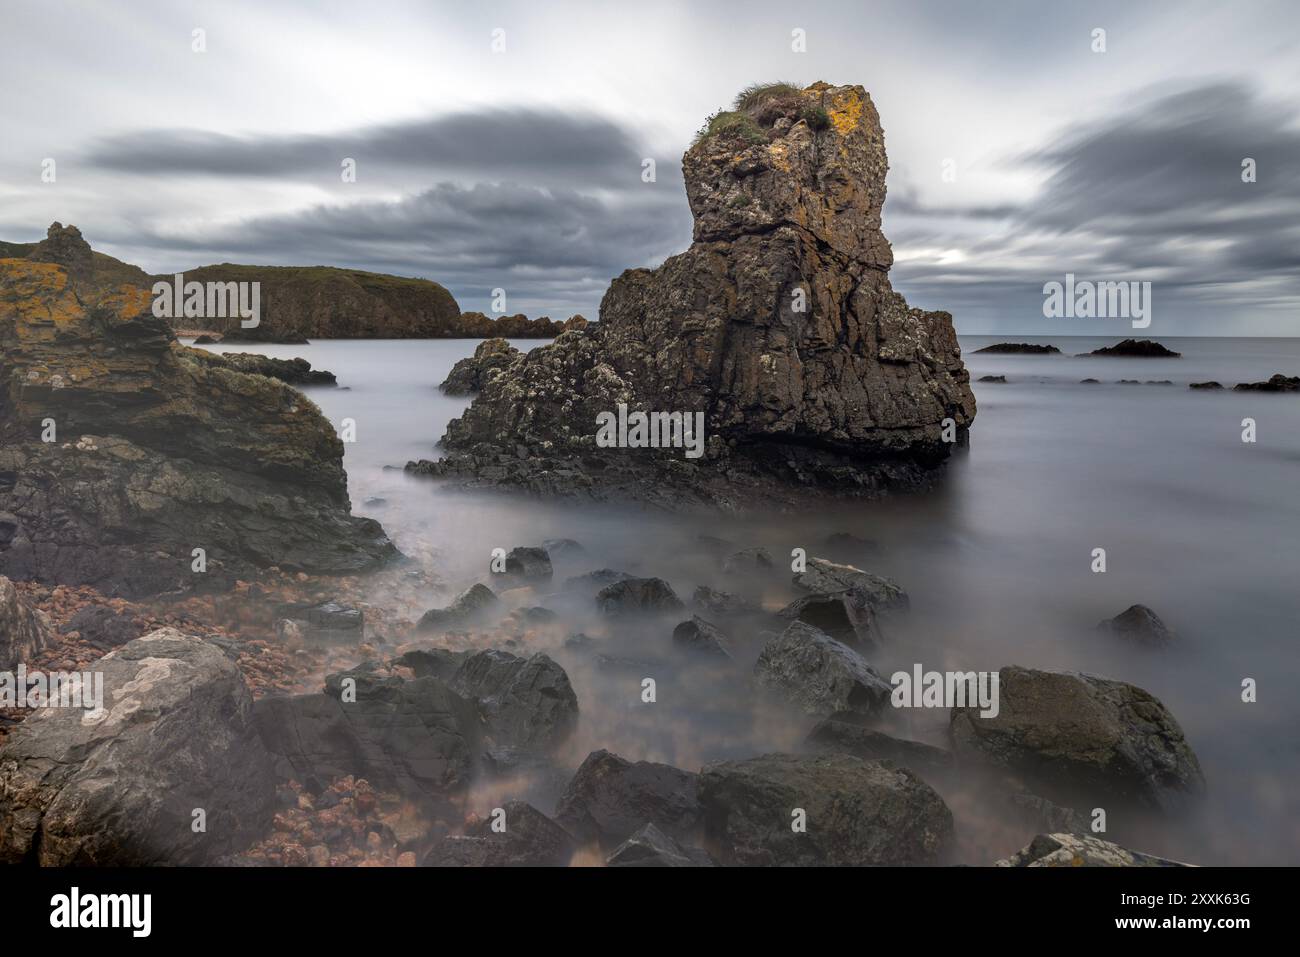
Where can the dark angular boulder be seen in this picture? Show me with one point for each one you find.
(1082, 737)
(470, 605)
(636, 596)
(823, 577)
(818, 674)
(416, 737)
(847, 616)
(857, 813)
(525, 703)
(1139, 625)
(651, 847)
(702, 638)
(529, 564)
(530, 839)
(722, 603)
(846, 734)
(610, 798)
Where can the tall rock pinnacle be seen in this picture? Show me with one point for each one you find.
(778, 324)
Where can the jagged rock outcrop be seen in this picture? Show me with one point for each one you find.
(24, 631)
(120, 785)
(122, 451)
(779, 325)
(1082, 738)
(476, 325)
(1274, 383)
(469, 374)
(1020, 349)
(1136, 349)
(292, 371)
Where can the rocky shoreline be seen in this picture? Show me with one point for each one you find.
(381, 750)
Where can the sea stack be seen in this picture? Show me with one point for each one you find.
(778, 323)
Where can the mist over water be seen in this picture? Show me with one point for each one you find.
(1203, 528)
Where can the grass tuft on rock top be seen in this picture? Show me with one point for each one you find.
(734, 124)
(756, 94)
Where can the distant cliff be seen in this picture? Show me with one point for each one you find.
(297, 302)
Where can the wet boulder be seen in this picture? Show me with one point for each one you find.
(521, 836)
(846, 734)
(529, 564)
(564, 549)
(823, 577)
(748, 561)
(417, 737)
(847, 616)
(611, 798)
(1082, 737)
(118, 786)
(633, 596)
(525, 703)
(857, 813)
(818, 674)
(651, 847)
(721, 602)
(1139, 625)
(702, 638)
(469, 605)
(594, 581)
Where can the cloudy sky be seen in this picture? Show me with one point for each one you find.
(521, 169)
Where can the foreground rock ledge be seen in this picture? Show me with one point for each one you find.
(779, 324)
(158, 449)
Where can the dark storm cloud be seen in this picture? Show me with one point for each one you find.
(545, 144)
(547, 205)
(551, 249)
(1155, 192)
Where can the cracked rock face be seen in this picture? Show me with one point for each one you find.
(779, 324)
(155, 450)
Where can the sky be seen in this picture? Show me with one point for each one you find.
(1018, 151)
